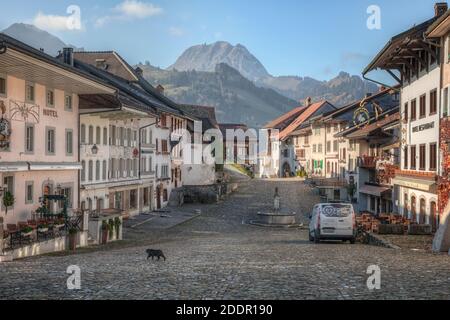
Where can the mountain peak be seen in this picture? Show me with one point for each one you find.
(205, 58)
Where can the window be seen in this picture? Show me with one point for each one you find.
(29, 138)
(91, 135)
(129, 137)
(406, 111)
(328, 146)
(328, 128)
(50, 141)
(422, 209)
(50, 98)
(2, 85)
(105, 136)
(413, 208)
(113, 136)
(129, 168)
(29, 192)
(98, 135)
(319, 148)
(445, 108)
(69, 142)
(165, 172)
(83, 171)
(314, 148)
(413, 157)
(83, 134)
(133, 199)
(317, 131)
(433, 157)
(405, 205)
(422, 157)
(344, 154)
(91, 170)
(135, 167)
(104, 170)
(405, 158)
(163, 121)
(97, 170)
(121, 136)
(423, 107)
(307, 140)
(68, 102)
(146, 198)
(164, 146)
(335, 146)
(29, 92)
(433, 102)
(165, 196)
(413, 109)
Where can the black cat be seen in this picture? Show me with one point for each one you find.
(155, 253)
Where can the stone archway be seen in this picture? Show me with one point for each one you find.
(286, 170)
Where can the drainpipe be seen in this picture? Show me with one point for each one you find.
(377, 82)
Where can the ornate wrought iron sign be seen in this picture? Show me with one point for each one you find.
(21, 111)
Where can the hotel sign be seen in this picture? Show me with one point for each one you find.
(50, 113)
(423, 127)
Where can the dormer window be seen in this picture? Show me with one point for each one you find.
(101, 64)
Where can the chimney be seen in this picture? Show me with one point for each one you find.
(440, 8)
(139, 72)
(68, 56)
(308, 101)
(160, 89)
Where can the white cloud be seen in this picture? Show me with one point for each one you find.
(176, 32)
(130, 9)
(51, 22)
(138, 9)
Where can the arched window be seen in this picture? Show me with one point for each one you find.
(422, 211)
(97, 170)
(83, 134)
(91, 170)
(328, 167)
(433, 215)
(91, 135)
(98, 135)
(83, 171)
(413, 209)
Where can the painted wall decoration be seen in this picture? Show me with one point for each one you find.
(5, 127)
(21, 111)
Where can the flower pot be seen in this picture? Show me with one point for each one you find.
(27, 234)
(42, 230)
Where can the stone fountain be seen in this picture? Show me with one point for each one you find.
(278, 217)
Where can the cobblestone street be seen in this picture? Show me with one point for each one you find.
(219, 256)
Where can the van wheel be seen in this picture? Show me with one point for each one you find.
(352, 241)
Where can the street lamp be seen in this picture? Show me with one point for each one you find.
(94, 149)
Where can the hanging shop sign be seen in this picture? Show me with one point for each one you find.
(24, 112)
(135, 153)
(361, 116)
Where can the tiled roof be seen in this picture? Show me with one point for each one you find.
(204, 113)
(311, 110)
(293, 113)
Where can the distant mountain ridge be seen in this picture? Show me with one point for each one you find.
(36, 38)
(340, 90)
(237, 99)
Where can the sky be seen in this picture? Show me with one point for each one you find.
(290, 37)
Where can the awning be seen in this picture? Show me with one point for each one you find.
(55, 166)
(374, 190)
(419, 184)
(13, 166)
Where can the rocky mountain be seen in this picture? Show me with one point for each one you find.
(340, 91)
(36, 38)
(237, 99)
(206, 57)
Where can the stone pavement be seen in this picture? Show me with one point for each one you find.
(218, 256)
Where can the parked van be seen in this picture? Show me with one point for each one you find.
(332, 221)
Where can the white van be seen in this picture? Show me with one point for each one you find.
(332, 221)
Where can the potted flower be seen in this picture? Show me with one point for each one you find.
(59, 224)
(8, 201)
(26, 231)
(111, 226)
(117, 224)
(104, 232)
(42, 228)
(73, 238)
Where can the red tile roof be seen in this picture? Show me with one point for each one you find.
(301, 118)
(293, 113)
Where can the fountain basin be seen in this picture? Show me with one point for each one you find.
(277, 218)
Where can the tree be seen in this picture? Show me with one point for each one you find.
(8, 200)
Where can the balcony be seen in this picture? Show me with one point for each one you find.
(367, 162)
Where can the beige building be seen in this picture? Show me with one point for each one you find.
(39, 106)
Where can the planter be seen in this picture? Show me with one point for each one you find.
(43, 230)
(104, 236)
(27, 234)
